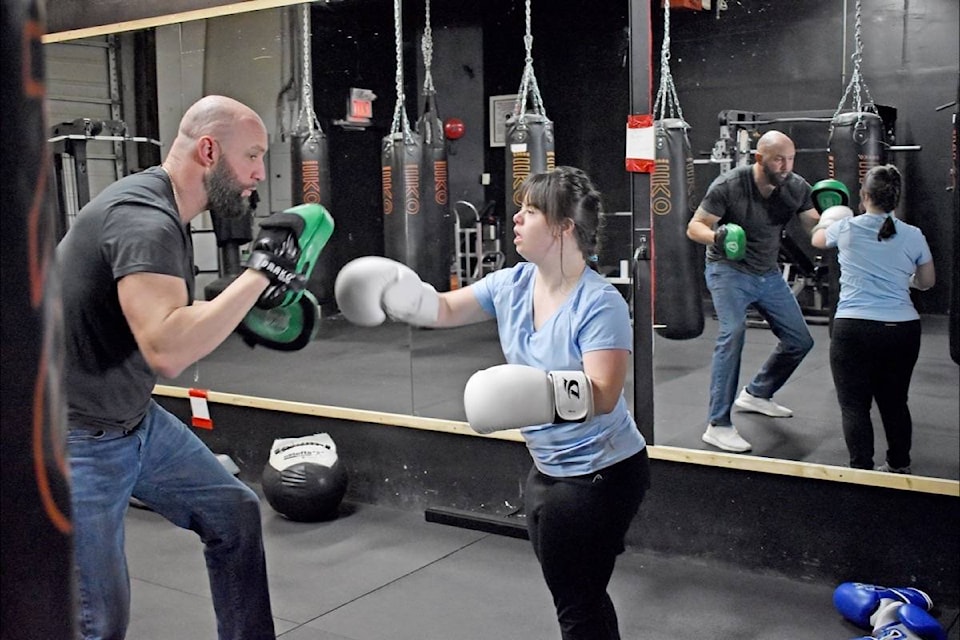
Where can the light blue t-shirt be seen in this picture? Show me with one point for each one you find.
(594, 317)
(875, 275)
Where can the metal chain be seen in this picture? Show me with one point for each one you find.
(306, 104)
(667, 93)
(426, 46)
(528, 82)
(857, 83)
(400, 121)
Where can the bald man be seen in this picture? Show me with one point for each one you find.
(761, 198)
(130, 316)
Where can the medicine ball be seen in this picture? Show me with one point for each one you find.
(305, 479)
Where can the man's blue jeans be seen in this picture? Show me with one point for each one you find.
(163, 464)
(733, 291)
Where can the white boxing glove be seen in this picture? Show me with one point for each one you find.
(510, 396)
(370, 289)
(910, 622)
(833, 214)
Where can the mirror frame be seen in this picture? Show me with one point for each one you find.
(191, 10)
(141, 17)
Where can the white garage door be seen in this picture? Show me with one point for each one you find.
(82, 82)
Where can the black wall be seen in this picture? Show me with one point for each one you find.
(759, 55)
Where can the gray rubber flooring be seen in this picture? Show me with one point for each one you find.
(383, 574)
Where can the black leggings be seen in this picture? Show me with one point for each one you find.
(577, 527)
(873, 360)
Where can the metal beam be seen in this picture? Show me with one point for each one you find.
(641, 63)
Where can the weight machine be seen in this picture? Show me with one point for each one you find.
(477, 248)
(71, 161)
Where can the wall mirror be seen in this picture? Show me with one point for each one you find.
(421, 372)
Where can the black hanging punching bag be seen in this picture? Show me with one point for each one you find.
(678, 303)
(529, 150)
(856, 145)
(435, 255)
(310, 175)
(400, 188)
(36, 552)
(311, 168)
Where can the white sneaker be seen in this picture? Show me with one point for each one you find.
(747, 402)
(725, 438)
(888, 469)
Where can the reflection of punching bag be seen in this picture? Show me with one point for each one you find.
(37, 549)
(856, 145)
(678, 304)
(435, 255)
(311, 168)
(310, 174)
(230, 233)
(400, 188)
(529, 150)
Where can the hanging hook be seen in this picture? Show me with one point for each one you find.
(528, 82)
(667, 103)
(306, 84)
(857, 86)
(400, 122)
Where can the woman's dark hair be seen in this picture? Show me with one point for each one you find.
(567, 192)
(882, 184)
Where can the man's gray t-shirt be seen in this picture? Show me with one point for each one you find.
(132, 226)
(735, 198)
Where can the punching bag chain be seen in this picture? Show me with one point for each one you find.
(307, 117)
(857, 85)
(400, 121)
(426, 46)
(667, 103)
(528, 83)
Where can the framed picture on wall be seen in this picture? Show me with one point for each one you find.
(500, 108)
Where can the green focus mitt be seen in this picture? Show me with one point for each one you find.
(286, 251)
(830, 193)
(731, 241)
(286, 328)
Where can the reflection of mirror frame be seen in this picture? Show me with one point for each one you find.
(781, 467)
(203, 11)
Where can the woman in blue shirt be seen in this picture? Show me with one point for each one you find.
(567, 338)
(875, 338)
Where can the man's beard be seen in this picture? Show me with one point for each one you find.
(224, 192)
(775, 178)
